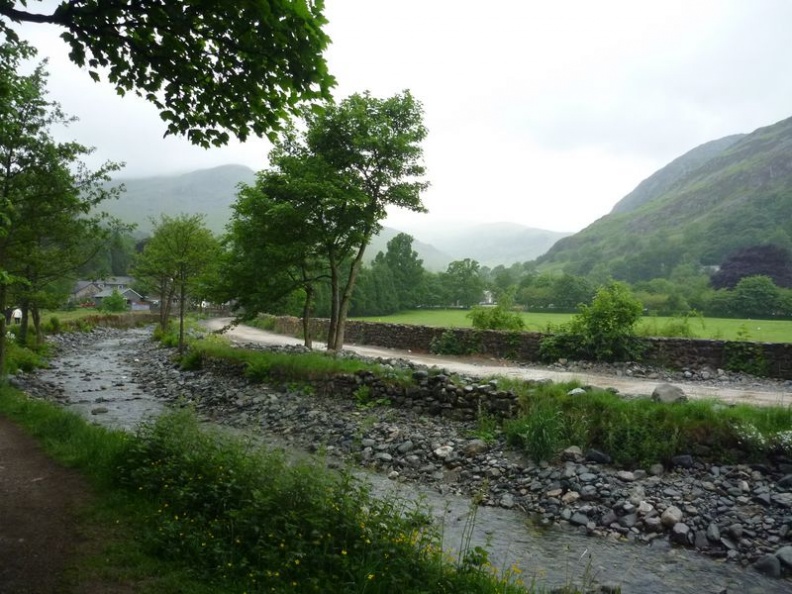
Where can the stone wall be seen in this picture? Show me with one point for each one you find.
(676, 353)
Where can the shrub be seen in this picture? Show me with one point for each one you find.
(602, 331)
(498, 317)
(53, 325)
(453, 342)
(113, 303)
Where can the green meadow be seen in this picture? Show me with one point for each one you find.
(714, 328)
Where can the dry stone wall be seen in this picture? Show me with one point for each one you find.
(772, 359)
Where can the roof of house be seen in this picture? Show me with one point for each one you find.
(128, 293)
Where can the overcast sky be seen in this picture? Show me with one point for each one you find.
(539, 113)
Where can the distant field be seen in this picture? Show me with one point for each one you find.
(719, 328)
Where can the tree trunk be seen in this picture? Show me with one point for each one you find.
(24, 324)
(306, 317)
(3, 330)
(164, 306)
(182, 297)
(343, 306)
(334, 306)
(36, 315)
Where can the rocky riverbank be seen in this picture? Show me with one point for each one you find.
(739, 513)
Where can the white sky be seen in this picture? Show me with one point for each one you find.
(539, 113)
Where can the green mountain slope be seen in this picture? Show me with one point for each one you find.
(663, 180)
(207, 191)
(737, 197)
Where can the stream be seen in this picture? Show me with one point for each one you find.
(97, 382)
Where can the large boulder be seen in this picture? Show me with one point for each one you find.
(668, 394)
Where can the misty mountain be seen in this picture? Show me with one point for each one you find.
(207, 191)
(718, 198)
(212, 192)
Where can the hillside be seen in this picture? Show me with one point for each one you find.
(663, 180)
(739, 194)
(207, 191)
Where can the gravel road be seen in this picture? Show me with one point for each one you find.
(760, 392)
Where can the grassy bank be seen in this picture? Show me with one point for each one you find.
(714, 328)
(183, 509)
(639, 432)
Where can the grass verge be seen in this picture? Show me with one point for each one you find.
(183, 509)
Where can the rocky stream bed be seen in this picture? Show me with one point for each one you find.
(690, 528)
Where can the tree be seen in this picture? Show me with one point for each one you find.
(758, 260)
(756, 296)
(280, 227)
(569, 291)
(334, 181)
(464, 285)
(406, 269)
(47, 196)
(210, 66)
(181, 249)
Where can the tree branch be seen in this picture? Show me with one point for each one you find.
(19, 16)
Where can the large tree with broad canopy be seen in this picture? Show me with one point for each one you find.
(212, 67)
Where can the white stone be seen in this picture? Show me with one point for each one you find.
(671, 516)
(443, 451)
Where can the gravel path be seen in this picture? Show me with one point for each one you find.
(730, 388)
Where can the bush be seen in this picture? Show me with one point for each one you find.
(21, 358)
(113, 303)
(53, 325)
(498, 317)
(602, 331)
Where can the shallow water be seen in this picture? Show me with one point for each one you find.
(97, 382)
(100, 377)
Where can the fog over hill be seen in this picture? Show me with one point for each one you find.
(212, 192)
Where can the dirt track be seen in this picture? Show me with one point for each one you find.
(38, 527)
(470, 366)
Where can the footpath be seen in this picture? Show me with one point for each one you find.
(757, 392)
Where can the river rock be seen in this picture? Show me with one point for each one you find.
(671, 516)
(768, 565)
(681, 534)
(444, 452)
(475, 447)
(784, 555)
(598, 456)
(668, 394)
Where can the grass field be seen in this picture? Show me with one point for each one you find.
(717, 328)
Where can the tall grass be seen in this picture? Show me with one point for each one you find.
(639, 432)
(251, 517)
